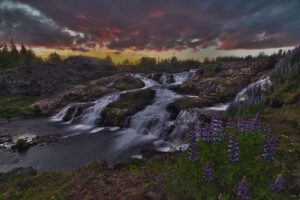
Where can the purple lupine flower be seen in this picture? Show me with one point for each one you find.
(208, 173)
(257, 123)
(216, 128)
(270, 147)
(243, 190)
(193, 147)
(205, 134)
(278, 184)
(242, 124)
(233, 149)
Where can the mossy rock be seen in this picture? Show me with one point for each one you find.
(190, 102)
(118, 113)
(22, 145)
(128, 83)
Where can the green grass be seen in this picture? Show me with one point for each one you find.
(43, 186)
(15, 105)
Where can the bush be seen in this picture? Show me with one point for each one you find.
(22, 145)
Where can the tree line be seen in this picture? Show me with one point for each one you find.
(11, 56)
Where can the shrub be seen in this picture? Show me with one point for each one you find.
(22, 145)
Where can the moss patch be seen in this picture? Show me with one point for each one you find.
(128, 83)
(15, 105)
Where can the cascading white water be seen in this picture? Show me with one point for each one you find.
(151, 120)
(59, 116)
(93, 113)
(148, 124)
(261, 84)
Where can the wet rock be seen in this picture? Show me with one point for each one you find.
(118, 113)
(45, 139)
(191, 102)
(128, 83)
(5, 142)
(75, 111)
(3, 121)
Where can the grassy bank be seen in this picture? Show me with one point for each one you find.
(15, 105)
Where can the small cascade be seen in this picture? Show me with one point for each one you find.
(60, 116)
(254, 92)
(152, 119)
(93, 113)
(181, 125)
(149, 82)
(183, 76)
(166, 79)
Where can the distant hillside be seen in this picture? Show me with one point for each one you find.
(47, 79)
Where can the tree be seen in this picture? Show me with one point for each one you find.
(108, 58)
(174, 60)
(54, 58)
(12, 57)
(4, 56)
(147, 61)
(126, 62)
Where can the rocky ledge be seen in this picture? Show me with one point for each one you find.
(88, 92)
(118, 113)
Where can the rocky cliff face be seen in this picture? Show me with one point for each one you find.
(48, 79)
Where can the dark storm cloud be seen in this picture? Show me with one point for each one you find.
(153, 24)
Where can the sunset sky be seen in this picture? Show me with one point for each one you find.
(159, 28)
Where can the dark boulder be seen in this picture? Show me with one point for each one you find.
(128, 83)
(118, 113)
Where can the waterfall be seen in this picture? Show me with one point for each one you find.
(93, 113)
(60, 116)
(152, 123)
(254, 91)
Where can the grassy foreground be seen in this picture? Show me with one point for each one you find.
(15, 105)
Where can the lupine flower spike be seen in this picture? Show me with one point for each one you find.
(233, 149)
(208, 173)
(243, 190)
(278, 184)
(216, 128)
(205, 134)
(270, 147)
(193, 148)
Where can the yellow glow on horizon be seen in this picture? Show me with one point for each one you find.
(134, 56)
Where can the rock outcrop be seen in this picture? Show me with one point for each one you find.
(118, 113)
(88, 92)
(221, 85)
